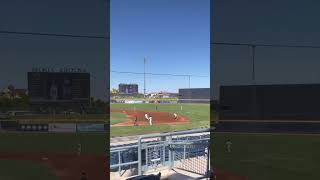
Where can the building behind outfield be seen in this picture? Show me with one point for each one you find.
(194, 95)
(270, 102)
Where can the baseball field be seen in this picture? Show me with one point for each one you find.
(268, 156)
(123, 116)
(52, 155)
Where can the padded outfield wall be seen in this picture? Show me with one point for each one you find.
(194, 95)
(270, 102)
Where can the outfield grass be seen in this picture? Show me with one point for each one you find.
(91, 143)
(198, 115)
(26, 170)
(265, 157)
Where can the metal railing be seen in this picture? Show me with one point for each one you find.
(124, 157)
(187, 150)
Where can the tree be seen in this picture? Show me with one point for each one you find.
(114, 92)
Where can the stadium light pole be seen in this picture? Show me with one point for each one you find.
(253, 47)
(189, 80)
(144, 76)
(255, 103)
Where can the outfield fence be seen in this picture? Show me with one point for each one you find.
(185, 150)
(161, 101)
(11, 125)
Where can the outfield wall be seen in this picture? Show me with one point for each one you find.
(194, 95)
(11, 125)
(270, 102)
(268, 127)
(180, 101)
(145, 101)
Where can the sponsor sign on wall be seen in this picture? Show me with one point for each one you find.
(133, 102)
(62, 127)
(33, 127)
(89, 127)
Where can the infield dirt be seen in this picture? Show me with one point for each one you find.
(157, 118)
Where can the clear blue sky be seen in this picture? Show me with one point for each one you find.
(174, 35)
(289, 22)
(20, 53)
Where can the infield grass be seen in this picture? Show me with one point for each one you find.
(117, 118)
(197, 114)
(266, 156)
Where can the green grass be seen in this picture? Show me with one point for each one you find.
(55, 143)
(26, 170)
(198, 115)
(91, 143)
(265, 157)
(116, 118)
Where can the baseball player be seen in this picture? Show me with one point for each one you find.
(228, 145)
(175, 116)
(79, 149)
(150, 121)
(146, 116)
(136, 121)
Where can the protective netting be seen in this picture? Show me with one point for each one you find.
(193, 157)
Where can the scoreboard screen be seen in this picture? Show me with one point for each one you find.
(128, 89)
(55, 86)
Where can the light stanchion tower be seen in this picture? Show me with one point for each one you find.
(144, 76)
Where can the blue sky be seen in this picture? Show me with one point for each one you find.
(20, 53)
(174, 35)
(288, 22)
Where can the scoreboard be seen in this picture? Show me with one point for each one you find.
(58, 87)
(128, 89)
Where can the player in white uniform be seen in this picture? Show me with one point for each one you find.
(175, 116)
(79, 149)
(146, 116)
(228, 145)
(150, 121)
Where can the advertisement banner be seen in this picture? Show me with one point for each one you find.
(89, 127)
(133, 102)
(33, 127)
(62, 127)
